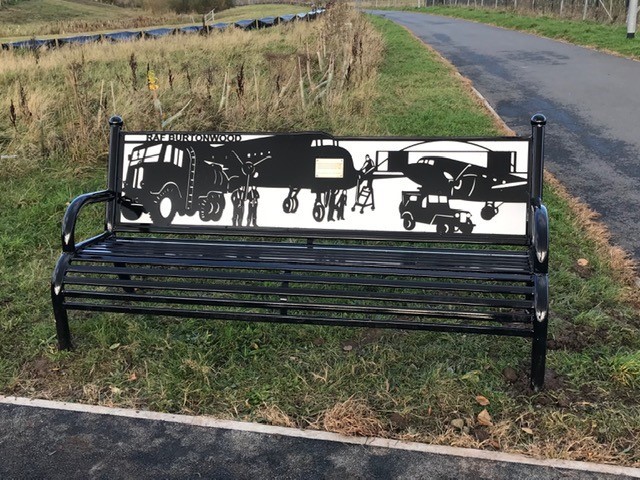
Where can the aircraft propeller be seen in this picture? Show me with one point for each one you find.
(248, 169)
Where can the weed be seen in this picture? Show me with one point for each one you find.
(12, 114)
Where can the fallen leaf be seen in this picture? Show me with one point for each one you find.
(485, 419)
(133, 377)
(116, 390)
(457, 423)
(527, 430)
(472, 376)
(484, 401)
(583, 262)
(114, 346)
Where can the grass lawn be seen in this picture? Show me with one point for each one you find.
(399, 384)
(46, 18)
(36, 11)
(41, 17)
(601, 36)
(259, 11)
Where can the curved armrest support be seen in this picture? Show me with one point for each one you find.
(541, 239)
(71, 216)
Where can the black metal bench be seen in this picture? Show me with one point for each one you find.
(421, 234)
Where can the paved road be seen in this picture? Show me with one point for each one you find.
(591, 100)
(56, 444)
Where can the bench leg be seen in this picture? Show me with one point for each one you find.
(57, 299)
(124, 276)
(62, 326)
(540, 325)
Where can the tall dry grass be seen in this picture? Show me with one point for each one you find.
(318, 75)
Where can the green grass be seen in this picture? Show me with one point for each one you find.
(47, 18)
(587, 33)
(418, 94)
(43, 17)
(259, 11)
(37, 11)
(589, 411)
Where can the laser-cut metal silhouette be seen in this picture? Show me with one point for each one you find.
(165, 178)
(494, 184)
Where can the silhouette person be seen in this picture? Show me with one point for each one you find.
(237, 198)
(341, 203)
(367, 171)
(331, 201)
(252, 215)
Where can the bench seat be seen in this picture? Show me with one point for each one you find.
(377, 286)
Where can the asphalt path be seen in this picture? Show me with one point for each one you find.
(54, 444)
(591, 100)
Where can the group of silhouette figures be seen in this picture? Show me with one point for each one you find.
(336, 203)
(336, 199)
(239, 197)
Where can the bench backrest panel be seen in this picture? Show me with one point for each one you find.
(313, 184)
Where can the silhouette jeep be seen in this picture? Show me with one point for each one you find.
(417, 207)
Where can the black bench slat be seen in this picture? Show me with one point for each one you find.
(311, 320)
(289, 249)
(134, 242)
(357, 270)
(306, 292)
(474, 315)
(492, 261)
(441, 263)
(500, 288)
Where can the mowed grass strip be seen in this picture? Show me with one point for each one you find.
(601, 36)
(414, 386)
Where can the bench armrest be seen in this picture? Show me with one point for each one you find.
(540, 241)
(71, 216)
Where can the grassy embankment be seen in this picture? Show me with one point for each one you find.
(46, 18)
(601, 36)
(397, 384)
